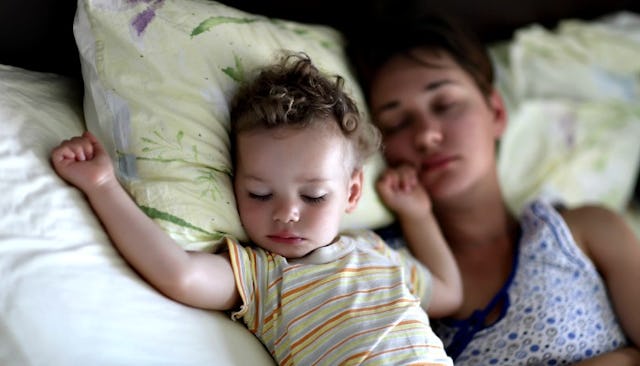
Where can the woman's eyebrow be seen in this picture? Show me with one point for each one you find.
(437, 84)
(434, 85)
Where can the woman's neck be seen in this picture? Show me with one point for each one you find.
(477, 220)
(482, 235)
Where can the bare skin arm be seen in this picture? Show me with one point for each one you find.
(197, 279)
(400, 191)
(613, 247)
(628, 356)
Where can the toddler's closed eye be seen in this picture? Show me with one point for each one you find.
(260, 197)
(314, 200)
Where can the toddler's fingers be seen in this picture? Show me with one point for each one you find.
(392, 180)
(88, 149)
(76, 148)
(57, 155)
(83, 147)
(407, 177)
(79, 152)
(63, 152)
(95, 143)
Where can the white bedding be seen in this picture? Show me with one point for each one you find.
(573, 98)
(66, 296)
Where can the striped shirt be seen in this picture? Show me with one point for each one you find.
(353, 302)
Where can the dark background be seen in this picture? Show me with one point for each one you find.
(38, 35)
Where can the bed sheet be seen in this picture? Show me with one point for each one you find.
(66, 296)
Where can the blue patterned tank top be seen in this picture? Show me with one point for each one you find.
(556, 310)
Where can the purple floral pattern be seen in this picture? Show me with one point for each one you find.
(142, 19)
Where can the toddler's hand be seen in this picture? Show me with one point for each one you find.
(402, 193)
(83, 162)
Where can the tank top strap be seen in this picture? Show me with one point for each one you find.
(467, 328)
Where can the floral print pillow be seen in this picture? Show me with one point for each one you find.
(159, 76)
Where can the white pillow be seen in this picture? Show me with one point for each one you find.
(571, 152)
(578, 60)
(159, 77)
(66, 295)
(573, 97)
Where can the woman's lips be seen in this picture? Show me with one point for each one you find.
(435, 163)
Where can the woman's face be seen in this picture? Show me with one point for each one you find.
(434, 118)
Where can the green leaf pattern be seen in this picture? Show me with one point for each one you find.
(165, 216)
(159, 144)
(211, 22)
(235, 73)
(164, 146)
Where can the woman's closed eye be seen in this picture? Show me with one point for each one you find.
(391, 128)
(443, 107)
(447, 108)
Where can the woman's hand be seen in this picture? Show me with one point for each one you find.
(83, 162)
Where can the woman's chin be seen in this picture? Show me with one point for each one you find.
(443, 190)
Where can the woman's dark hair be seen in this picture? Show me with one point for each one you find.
(372, 45)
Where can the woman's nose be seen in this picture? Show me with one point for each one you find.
(286, 212)
(428, 134)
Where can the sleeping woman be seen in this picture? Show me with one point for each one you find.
(552, 287)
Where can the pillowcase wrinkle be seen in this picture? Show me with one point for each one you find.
(160, 77)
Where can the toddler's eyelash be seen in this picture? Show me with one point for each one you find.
(259, 197)
(313, 200)
(266, 197)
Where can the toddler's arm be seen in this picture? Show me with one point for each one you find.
(195, 278)
(400, 191)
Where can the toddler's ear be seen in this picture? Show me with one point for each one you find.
(355, 189)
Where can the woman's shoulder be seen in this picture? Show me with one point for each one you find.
(581, 219)
(588, 224)
(597, 228)
(577, 215)
(552, 224)
(589, 214)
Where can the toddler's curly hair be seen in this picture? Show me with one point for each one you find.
(293, 93)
